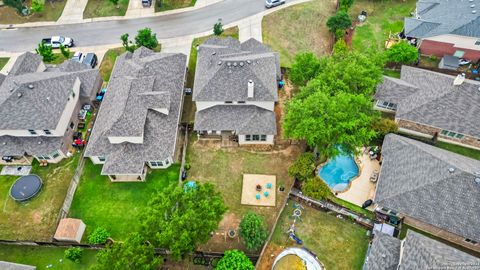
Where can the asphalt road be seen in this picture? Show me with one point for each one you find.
(108, 32)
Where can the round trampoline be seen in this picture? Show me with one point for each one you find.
(26, 187)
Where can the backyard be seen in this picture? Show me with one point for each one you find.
(384, 18)
(299, 28)
(338, 243)
(163, 5)
(51, 12)
(36, 219)
(102, 8)
(225, 167)
(3, 61)
(42, 257)
(116, 206)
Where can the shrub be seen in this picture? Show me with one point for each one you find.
(98, 236)
(65, 51)
(234, 259)
(340, 47)
(340, 20)
(73, 254)
(402, 53)
(253, 231)
(37, 5)
(303, 167)
(146, 38)
(384, 126)
(45, 51)
(316, 188)
(218, 29)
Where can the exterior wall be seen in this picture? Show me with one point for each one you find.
(242, 141)
(127, 178)
(80, 232)
(443, 234)
(118, 140)
(166, 163)
(96, 161)
(55, 160)
(441, 48)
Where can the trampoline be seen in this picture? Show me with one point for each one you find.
(26, 187)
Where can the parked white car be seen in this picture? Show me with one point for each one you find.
(56, 41)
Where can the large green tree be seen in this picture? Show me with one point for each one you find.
(339, 21)
(146, 38)
(134, 253)
(402, 53)
(303, 167)
(234, 259)
(305, 67)
(179, 219)
(253, 231)
(326, 120)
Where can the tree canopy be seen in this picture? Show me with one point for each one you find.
(303, 167)
(146, 38)
(253, 231)
(305, 67)
(402, 53)
(180, 219)
(316, 188)
(339, 21)
(134, 253)
(45, 51)
(326, 120)
(234, 259)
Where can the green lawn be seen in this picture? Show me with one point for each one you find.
(41, 257)
(59, 58)
(338, 243)
(355, 208)
(384, 17)
(299, 28)
(188, 114)
(469, 152)
(105, 8)
(52, 11)
(36, 218)
(3, 61)
(116, 206)
(163, 5)
(392, 73)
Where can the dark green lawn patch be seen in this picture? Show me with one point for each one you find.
(3, 61)
(105, 8)
(116, 206)
(41, 257)
(163, 5)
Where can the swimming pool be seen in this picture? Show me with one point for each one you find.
(339, 171)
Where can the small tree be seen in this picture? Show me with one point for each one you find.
(98, 236)
(253, 231)
(316, 188)
(134, 253)
(45, 51)
(234, 259)
(37, 5)
(340, 47)
(127, 44)
(146, 38)
(303, 167)
(305, 67)
(65, 51)
(402, 53)
(340, 20)
(74, 254)
(218, 28)
(383, 126)
(345, 5)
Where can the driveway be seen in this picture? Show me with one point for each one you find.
(109, 32)
(73, 11)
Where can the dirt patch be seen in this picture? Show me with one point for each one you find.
(36, 217)
(271, 252)
(220, 238)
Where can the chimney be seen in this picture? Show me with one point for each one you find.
(250, 89)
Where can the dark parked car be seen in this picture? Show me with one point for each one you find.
(90, 60)
(146, 3)
(273, 3)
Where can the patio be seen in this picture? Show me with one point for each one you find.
(361, 188)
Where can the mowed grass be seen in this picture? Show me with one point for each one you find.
(172, 4)
(52, 11)
(384, 17)
(299, 28)
(105, 8)
(116, 206)
(188, 114)
(36, 218)
(108, 61)
(338, 243)
(41, 257)
(469, 152)
(3, 61)
(60, 58)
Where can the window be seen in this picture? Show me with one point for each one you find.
(47, 132)
(55, 154)
(32, 132)
(459, 53)
(167, 162)
(101, 159)
(452, 134)
(263, 138)
(43, 158)
(255, 137)
(477, 42)
(241, 102)
(228, 102)
(156, 164)
(387, 105)
(72, 125)
(470, 241)
(248, 138)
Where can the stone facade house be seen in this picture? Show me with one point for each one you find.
(432, 104)
(39, 108)
(138, 122)
(431, 189)
(235, 91)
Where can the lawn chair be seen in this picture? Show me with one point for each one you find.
(374, 177)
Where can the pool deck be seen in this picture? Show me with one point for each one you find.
(361, 188)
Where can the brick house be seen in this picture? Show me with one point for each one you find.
(430, 104)
(444, 27)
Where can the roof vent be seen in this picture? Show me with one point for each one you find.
(4, 143)
(472, 6)
(459, 79)
(474, 11)
(477, 181)
(241, 64)
(250, 92)
(213, 53)
(451, 170)
(234, 64)
(219, 63)
(30, 86)
(19, 95)
(48, 98)
(229, 64)
(39, 142)
(249, 62)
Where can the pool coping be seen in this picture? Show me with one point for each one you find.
(360, 168)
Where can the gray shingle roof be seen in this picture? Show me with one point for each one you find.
(243, 119)
(437, 102)
(415, 180)
(18, 146)
(143, 85)
(418, 252)
(224, 67)
(384, 253)
(26, 63)
(438, 17)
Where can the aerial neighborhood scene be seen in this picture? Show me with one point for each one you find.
(240, 134)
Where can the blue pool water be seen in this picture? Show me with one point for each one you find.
(339, 171)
